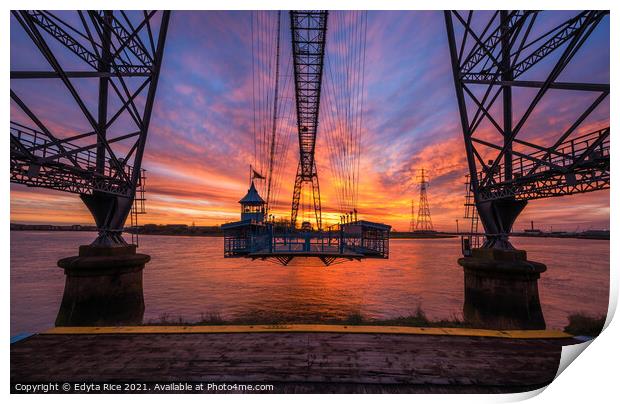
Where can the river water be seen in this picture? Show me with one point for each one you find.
(189, 278)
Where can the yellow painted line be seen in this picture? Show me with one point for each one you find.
(354, 329)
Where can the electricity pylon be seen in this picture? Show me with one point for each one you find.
(424, 222)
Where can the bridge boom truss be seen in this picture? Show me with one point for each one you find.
(308, 33)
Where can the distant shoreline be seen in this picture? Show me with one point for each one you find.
(214, 231)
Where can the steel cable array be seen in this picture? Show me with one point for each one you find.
(343, 106)
(272, 101)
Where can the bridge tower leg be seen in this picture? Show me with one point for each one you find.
(489, 52)
(109, 211)
(119, 55)
(500, 285)
(103, 284)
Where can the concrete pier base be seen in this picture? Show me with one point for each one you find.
(103, 286)
(501, 290)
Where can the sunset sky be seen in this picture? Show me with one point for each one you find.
(201, 143)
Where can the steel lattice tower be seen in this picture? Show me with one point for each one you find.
(115, 59)
(424, 222)
(308, 33)
(505, 65)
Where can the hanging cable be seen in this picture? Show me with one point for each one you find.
(343, 107)
(275, 115)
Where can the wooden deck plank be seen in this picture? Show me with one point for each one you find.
(293, 361)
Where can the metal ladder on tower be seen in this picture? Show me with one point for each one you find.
(473, 239)
(137, 208)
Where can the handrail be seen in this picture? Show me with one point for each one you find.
(42, 146)
(562, 156)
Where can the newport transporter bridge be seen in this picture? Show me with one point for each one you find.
(493, 54)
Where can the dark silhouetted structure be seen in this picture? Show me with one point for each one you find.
(506, 65)
(115, 59)
(308, 39)
(412, 221)
(423, 222)
(496, 53)
(108, 64)
(256, 238)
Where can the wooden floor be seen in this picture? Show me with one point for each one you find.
(294, 361)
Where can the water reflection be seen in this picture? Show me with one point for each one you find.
(188, 277)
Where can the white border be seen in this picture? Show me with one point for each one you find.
(592, 377)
